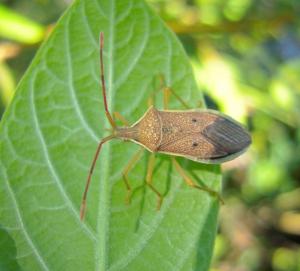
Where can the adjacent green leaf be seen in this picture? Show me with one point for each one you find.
(17, 27)
(49, 135)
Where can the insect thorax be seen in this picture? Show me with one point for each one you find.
(149, 129)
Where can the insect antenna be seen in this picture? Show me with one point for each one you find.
(108, 115)
(112, 123)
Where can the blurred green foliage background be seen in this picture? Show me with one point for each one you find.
(246, 58)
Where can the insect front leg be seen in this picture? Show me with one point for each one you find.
(190, 182)
(167, 93)
(118, 116)
(126, 170)
(149, 180)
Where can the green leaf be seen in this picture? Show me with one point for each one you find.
(51, 130)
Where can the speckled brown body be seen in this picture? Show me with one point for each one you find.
(200, 135)
(204, 136)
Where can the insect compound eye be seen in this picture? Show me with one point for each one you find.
(195, 144)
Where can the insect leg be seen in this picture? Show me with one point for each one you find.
(118, 116)
(126, 170)
(190, 182)
(149, 180)
(88, 181)
(156, 89)
(167, 92)
(150, 101)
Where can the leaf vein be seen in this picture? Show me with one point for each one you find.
(50, 164)
(138, 53)
(72, 89)
(23, 226)
(134, 252)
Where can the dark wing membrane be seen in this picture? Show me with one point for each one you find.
(193, 146)
(227, 136)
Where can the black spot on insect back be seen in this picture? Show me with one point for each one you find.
(227, 136)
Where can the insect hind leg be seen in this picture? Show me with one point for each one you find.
(149, 180)
(190, 182)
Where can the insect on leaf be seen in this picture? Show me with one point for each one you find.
(51, 130)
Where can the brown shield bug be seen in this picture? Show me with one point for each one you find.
(204, 136)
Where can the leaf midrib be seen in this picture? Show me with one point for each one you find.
(102, 232)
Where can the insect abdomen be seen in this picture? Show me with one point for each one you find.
(204, 136)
